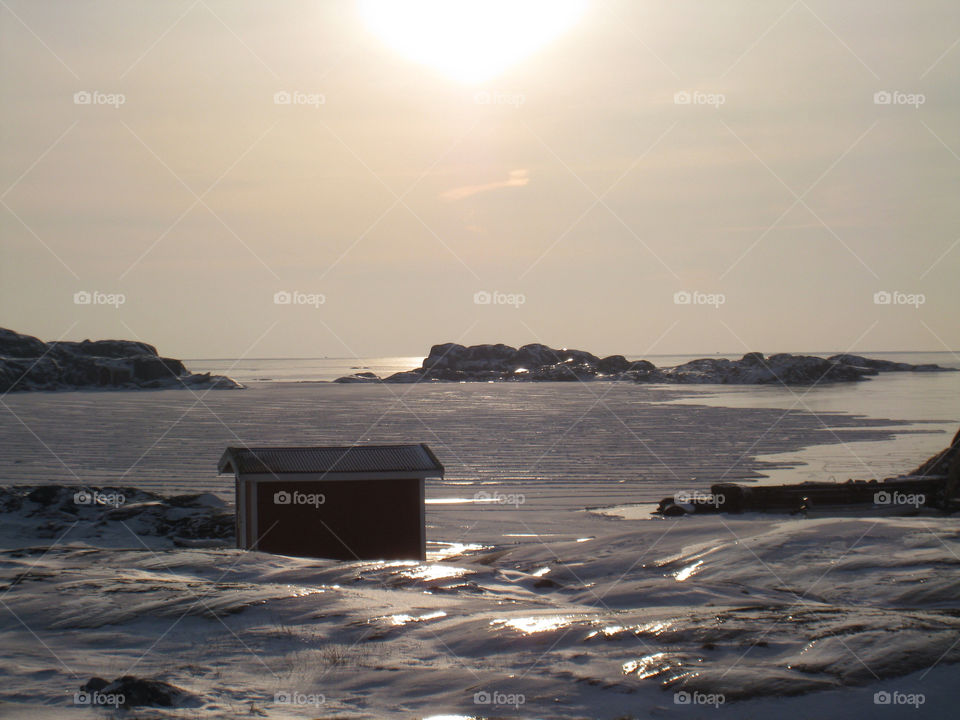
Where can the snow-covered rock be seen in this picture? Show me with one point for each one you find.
(451, 362)
(361, 377)
(885, 365)
(27, 363)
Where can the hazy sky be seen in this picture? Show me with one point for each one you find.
(735, 151)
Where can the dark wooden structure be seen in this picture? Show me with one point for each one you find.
(360, 502)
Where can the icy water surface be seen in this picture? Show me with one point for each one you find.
(544, 446)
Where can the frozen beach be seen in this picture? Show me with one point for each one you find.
(548, 591)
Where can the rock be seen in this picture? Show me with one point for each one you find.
(107, 348)
(613, 364)
(15, 345)
(156, 368)
(27, 363)
(451, 362)
(362, 377)
(407, 376)
(94, 684)
(565, 371)
(44, 495)
(132, 691)
(886, 365)
(753, 369)
(189, 517)
(536, 355)
(642, 370)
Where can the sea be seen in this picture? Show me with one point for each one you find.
(573, 444)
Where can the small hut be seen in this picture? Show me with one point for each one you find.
(361, 502)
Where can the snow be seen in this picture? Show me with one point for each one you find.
(743, 608)
(535, 609)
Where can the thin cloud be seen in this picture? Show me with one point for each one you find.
(517, 178)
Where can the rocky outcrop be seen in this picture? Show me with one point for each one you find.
(755, 369)
(934, 484)
(450, 362)
(362, 377)
(27, 363)
(884, 365)
(197, 520)
(131, 691)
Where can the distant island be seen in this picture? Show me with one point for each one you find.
(450, 362)
(27, 363)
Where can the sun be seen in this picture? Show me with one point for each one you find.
(470, 40)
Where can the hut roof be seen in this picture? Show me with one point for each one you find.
(416, 459)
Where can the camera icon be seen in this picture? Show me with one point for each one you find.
(282, 98)
(482, 97)
(682, 497)
(882, 98)
(83, 498)
(882, 297)
(282, 297)
(482, 698)
(881, 698)
(882, 498)
(282, 498)
(82, 297)
(682, 98)
(81, 698)
(682, 298)
(482, 496)
(482, 297)
(282, 698)
(82, 98)
(681, 698)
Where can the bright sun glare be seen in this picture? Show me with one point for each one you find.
(470, 40)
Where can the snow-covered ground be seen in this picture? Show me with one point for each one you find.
(739, 615)
(538, 609)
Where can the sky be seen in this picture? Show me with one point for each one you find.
(303, 179)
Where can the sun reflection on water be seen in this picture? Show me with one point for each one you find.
(536, 624)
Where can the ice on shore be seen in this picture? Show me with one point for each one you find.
(743, 610)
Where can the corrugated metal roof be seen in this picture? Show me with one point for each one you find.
(349, 459)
